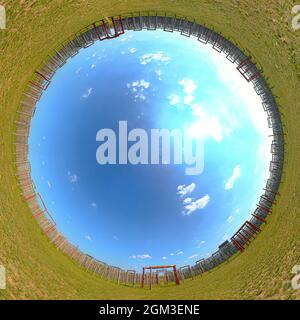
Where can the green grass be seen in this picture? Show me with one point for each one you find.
(35, 268)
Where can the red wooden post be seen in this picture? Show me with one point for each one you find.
(259, 218)
(38, 214)
(264, 208)
(256, 229)
(255, 75)
(121, 22)
(243, 62)
(167, 277)
(115, 27)
(143, 278)
(105, 29)
(98, 34)
(49, 229)
(176, 275)
(30, 197)
(40, 74)
(271, 191)
(237, 244)
(240, 235)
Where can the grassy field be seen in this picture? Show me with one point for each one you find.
(35, 268)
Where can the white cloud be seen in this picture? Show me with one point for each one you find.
(144, 256)
(179, 252)
(246, 101)
(49, 184)
(188, 99)
(196, 205)
(205, 126)
(187, 200)
(201, 243)
(159, 74)
(138, 87)
(140, 256)
(229, 219)
(87, 237)
(94, 204)
(140, 84)
(132, 50)
(189, 86)
(232, 79)
(158, 56)
(115, 238)
(235, 175)
(87, 93)
(183, 190)
(193, 256)
(172, 254)
(93, 66)
(73, 178)
(164, 258)
(174, 99)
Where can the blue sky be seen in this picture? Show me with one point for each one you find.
(129, 215)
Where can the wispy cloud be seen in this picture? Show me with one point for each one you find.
(193, 256)
(87, 93)
(141, 256)
(49, 184)
(174, 99)
(140, 84)
(159, 74)
(132, 50)
(201, 243)
(158, 56)
(183, 190)
(116, 238)
(78, 70)
(87, 237)
(235, 175)
(189, 87)
(73, 178)
(164, 258)
(187, 200)
(94, 205)
(196, 205)
(206, 125)
(229, 219)
(138, 87)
